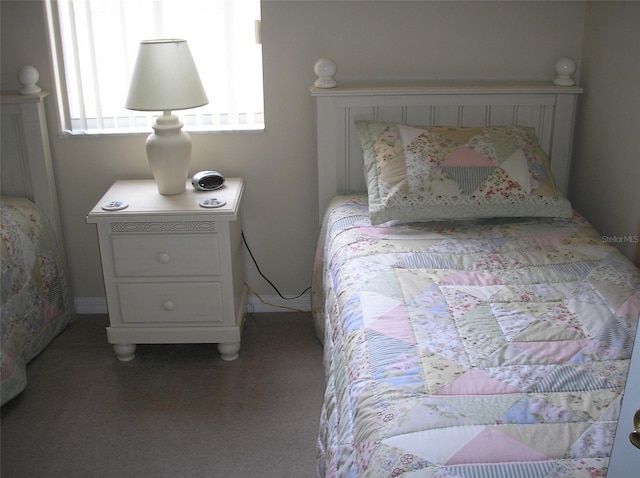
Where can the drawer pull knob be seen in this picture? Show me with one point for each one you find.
(634, 437)
(164, 258)
(167, 305)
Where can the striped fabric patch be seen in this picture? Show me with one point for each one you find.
(616, 337)
(384, 351)
(570, 379)
(345, 223)
(507, 470)
(469, 179)
(425, 261)
(571, 272)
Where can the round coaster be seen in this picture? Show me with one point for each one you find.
(115, 205)
(212, 202)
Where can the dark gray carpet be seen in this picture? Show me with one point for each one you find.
(174, 411)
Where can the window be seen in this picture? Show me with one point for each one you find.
(95, 44)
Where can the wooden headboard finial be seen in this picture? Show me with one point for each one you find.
(325, 68)
(565, 67)
(28, 76)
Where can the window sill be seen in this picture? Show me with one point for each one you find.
(146, 131)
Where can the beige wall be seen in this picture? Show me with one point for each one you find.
(605, 182)
(417, 40)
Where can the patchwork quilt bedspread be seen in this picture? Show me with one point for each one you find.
(35, 296)
(488, 348)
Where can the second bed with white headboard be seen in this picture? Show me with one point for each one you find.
(36, 294)
(463, 337)
(547, 108)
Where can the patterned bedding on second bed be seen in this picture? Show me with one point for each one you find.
(471, 349)
(36, 298)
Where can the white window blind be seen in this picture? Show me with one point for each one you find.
(95, 43)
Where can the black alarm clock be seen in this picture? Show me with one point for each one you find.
(207, 180)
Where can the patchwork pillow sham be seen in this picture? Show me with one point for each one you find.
(418, 174)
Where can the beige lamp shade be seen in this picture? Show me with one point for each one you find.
(165, 78)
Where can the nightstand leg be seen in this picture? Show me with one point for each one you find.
(229, 351)
(125, 352)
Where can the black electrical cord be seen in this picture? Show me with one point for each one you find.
(244, 240)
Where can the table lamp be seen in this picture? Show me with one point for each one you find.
(164, 79)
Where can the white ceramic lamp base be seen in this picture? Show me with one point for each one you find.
(169, 154)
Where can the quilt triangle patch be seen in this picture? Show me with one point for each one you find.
(408, 133)
(459, 135)
(512, 320)
(442, 371)
(440, 183)
(437, 445)
(483, 408)
(630, 308)
(566, 378)
(567, 328)
(555, 239)
(480, 334)
(500, 183)
(460, 302)
(597, 437)
(613, 336)
(394, 323)
(383, 353)
(516, 167)
(382, 282)
(550, 440)
(615, 294)
(475, 382)
(426, 414)
(469, 278)
(483, 292)
(595, 406)
(375, 305)
(464, 156)
(503, 145)
(491, 446)
(559, 351)
(530, 409)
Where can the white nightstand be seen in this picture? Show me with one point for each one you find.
(172, 269)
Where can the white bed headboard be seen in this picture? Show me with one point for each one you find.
(25, 160)
(548, 108)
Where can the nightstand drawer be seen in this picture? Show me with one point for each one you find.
(143, 255)
(170, 302)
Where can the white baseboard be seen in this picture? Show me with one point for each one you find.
(272, 303)
(90, 305)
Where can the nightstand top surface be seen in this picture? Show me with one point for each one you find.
(143, 199)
